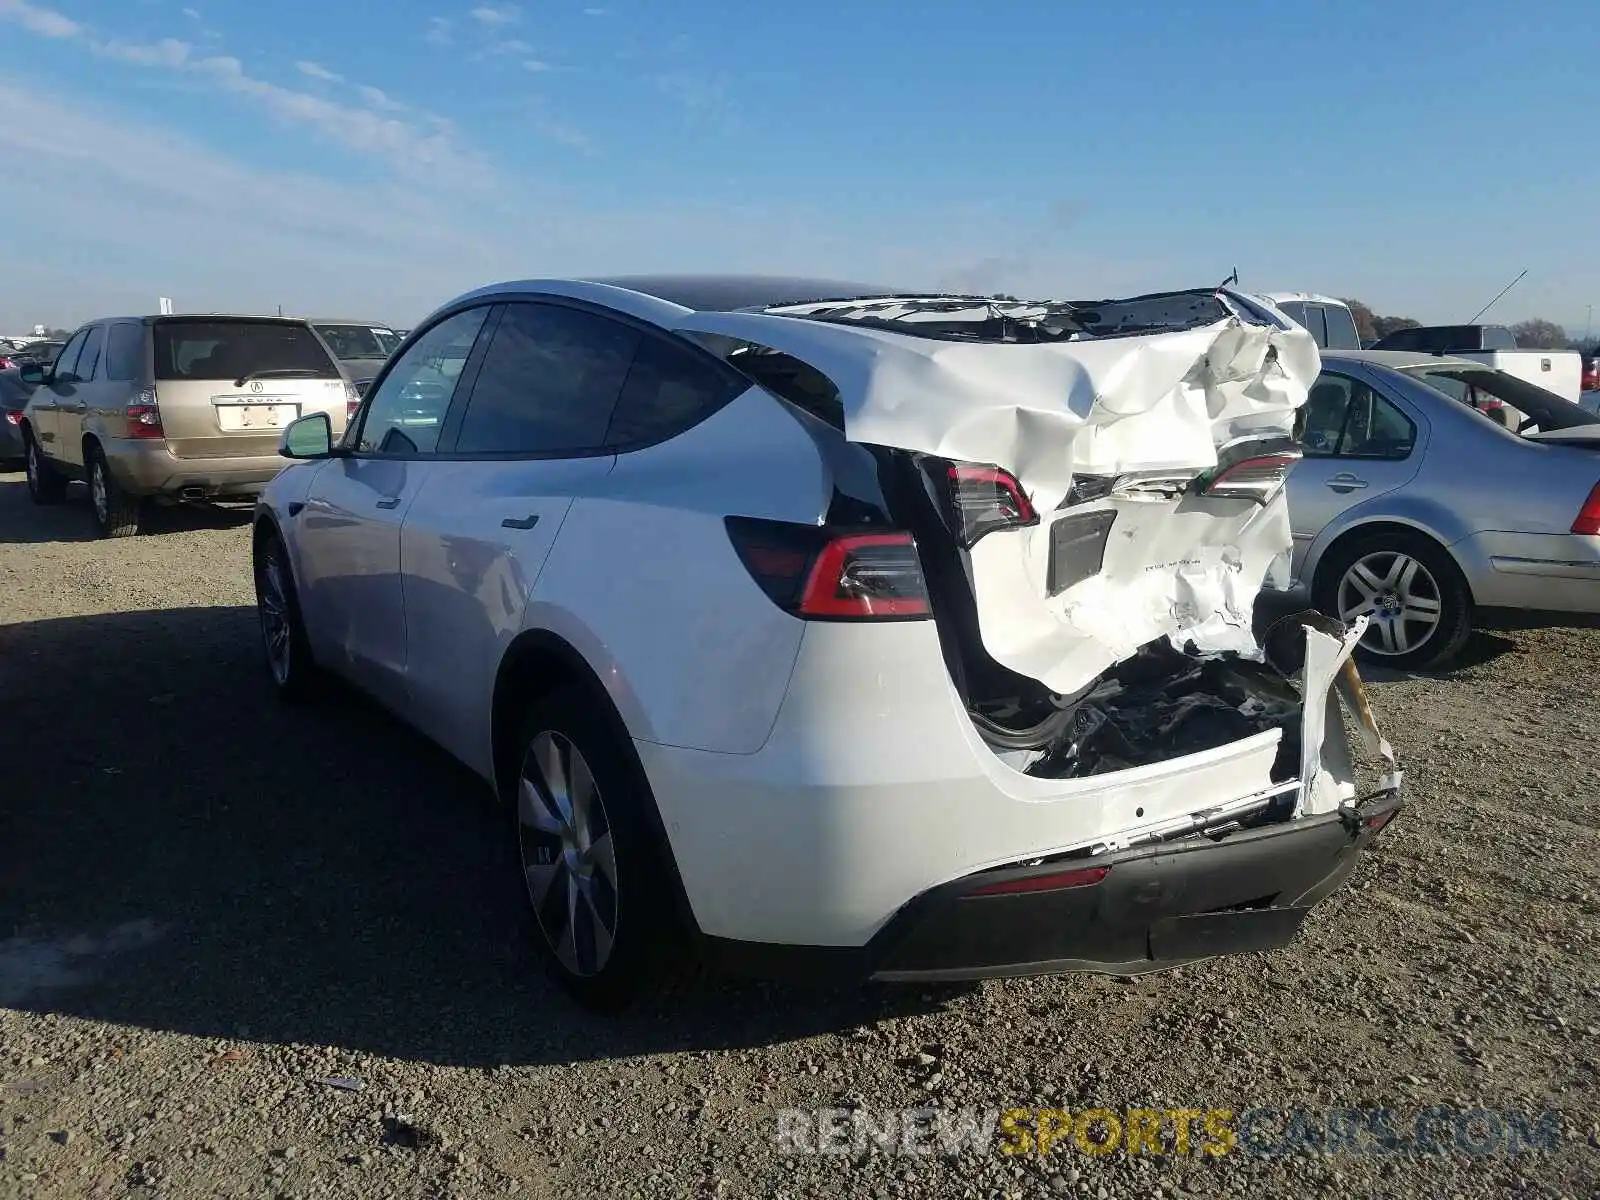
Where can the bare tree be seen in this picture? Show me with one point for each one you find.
(1366, 327)
(1539, 334)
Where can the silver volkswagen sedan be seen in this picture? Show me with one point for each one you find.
(1436, 495)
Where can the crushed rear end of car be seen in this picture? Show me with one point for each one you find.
(1031, 727)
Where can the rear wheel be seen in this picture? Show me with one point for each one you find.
(595, 871)
(45, 484)
(116, 513)
(1417, 603)
(283, 635)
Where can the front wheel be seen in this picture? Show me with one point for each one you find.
(45, 484)
(595, 870)
(1417, 603)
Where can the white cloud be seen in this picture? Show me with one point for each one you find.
(192, 13)
(595, 12)
(45, 22)
(511, 46)
(379, 99)
(508, 14)
(536, 64)
(318, 71)
(168, 52)
(439, 31)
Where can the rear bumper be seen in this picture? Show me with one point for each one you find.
(150, 468)
(1541, 573)
(1155, 908)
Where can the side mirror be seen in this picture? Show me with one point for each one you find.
(32, 373)
(310, 436)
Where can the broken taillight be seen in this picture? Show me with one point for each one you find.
(1250, 469)
(143, 417)
(1588, 519)
(983, 499)
(828, 575)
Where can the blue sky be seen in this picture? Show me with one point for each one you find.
(374, 158)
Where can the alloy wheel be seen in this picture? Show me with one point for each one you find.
(272, 601)
(1399, 594)
(568, 859)
(98, 491)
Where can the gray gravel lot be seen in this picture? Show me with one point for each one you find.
(208, 904)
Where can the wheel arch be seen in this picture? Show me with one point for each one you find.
(1371, 529)
(540, 661)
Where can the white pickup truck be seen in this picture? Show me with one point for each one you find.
(1558, 371)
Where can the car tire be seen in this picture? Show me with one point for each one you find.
(46, 485)
(593, 863)
(285, 647)
(1419, 602)
(116, 513)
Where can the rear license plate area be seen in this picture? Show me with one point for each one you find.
(1203, 935)
(264, 413)
(1077, 549)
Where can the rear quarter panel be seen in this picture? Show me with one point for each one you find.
(645, 584)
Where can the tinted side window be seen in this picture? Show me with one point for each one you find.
(668, 391)
(1321, 421)
(549, 383)
(89, 360)
(1341, 331)
(1346, 419)
(405, 412)
(68, 358)
(1315, 323)
(1498, 337)
(124, 352)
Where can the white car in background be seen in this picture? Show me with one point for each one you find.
(822, 628)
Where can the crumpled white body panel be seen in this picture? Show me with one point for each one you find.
(1048, 412)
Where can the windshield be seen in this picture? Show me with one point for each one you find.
(1480, 388)
(229, 349)
(358, 341)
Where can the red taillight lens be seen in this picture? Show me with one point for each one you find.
(5, 363)
(13, 416)
(1377, 821)
(1060, 881)
(1251, 469)
(821, 574)
(144, 421)
(1588, 521)
(983, 499)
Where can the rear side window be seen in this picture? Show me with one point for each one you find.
(668, 390)
(1315, 324)
(66, 363)
(549, 382)
(124, 352)
(1341, 329)
(1344, 418)
(89, 360)
(1498, 337)
(215, 350)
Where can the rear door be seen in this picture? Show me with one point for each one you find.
(1358, 445)
(226, 386)
(529, 438)
(90, 395)
(349, 530)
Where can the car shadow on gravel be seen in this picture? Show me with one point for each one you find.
(23, 522)
(180, 852)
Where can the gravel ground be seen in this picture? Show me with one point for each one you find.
(209, 904)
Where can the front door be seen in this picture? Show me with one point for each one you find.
(48, 398)
(349, 529)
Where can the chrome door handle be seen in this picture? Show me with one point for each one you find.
(390, 502)
(527, 522)
(1345, 482)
